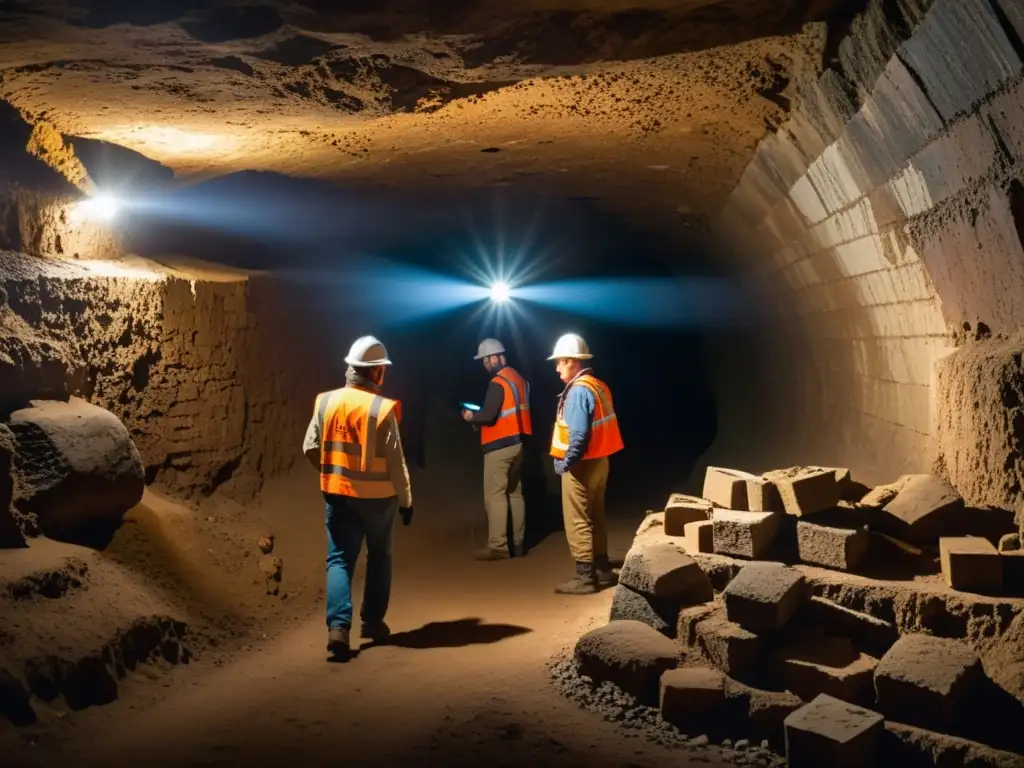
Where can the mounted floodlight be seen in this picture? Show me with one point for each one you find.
(500, 292)
(99, 208)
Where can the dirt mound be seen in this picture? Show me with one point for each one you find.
(80, 625)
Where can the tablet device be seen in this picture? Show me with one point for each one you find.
(470, 406)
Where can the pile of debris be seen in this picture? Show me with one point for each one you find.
(802, 608)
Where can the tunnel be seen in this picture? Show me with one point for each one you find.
(790, 233)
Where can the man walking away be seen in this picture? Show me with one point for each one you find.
(586, 433)
(353, 441)
(504, 421)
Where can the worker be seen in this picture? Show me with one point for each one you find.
(353, 441)
(586, 433)
(504, 421)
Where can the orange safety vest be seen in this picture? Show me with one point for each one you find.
(514, 419)
(605, 438)
(351, 463)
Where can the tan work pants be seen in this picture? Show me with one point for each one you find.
(583, 489)
(503, 488)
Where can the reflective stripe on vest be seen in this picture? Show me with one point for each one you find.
(350, 462)
(514, 420)
(605, 437)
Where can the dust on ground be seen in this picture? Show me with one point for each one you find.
(464, 680)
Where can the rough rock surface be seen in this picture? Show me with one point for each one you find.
(764, 596)
(199, 373)
(75, 466)
(805, 490)
(661, 570)
(830, 665)
(924, 509)
(826, 728)
(744, 534)
(661, 615)
(630, 654)
(690, 691)
(11, 534)
(616, 705)
(927, 681)
(979, 436)
(832, 541)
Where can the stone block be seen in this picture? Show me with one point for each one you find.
(868, 633)
(764, 596)
(744, 534)
(926, 681)
(653, 523)
(730, 647)
(924, 507)
(690, 691)
(681, 509)
(689, 617)
(833, 540)
(903, 113)
(630, 654)
(987, 59)
(763, 496)
(699, 537)
(831, 732)
(662, 570)
(629, 605)
(726, 488)
(806, 490)
(831, 665)
(970, 563)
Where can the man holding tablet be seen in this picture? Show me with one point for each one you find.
(504, 421)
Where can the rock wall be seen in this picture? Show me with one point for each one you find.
(980, 429)
(214, 380)
(882, 222)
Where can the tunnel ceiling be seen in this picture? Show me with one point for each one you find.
(652, 108)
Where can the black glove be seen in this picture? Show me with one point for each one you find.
(406, 513)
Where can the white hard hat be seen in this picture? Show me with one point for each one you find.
(489, 347)
(367, 352)
(573, 346)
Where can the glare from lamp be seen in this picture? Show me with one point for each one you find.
(99, 208)
(500, 292)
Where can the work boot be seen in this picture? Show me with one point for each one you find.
(338, 642)
(585, 582)
(376, 632)
(606, 575)
(518, 550)
(491, 554)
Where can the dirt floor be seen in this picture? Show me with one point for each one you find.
(464, 680)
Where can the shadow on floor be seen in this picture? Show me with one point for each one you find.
(454, 634)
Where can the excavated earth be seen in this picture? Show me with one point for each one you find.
(656, 106)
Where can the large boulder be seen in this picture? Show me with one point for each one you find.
(75, 466)
(630, 654)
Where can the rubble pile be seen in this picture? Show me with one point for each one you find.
(828, 620)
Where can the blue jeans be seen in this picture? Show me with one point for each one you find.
(349, 520)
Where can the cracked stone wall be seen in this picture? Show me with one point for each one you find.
(213, 379)
(882, 222)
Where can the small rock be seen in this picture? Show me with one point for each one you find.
(266, 544)
(699, 741)
(742, 744)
